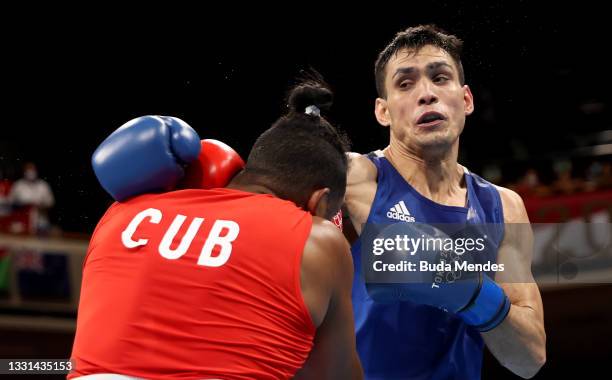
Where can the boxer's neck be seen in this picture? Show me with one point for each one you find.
(439, 178)
(239, 182)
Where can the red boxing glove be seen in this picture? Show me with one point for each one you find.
(215, 167)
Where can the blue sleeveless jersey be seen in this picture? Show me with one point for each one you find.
(405, 340)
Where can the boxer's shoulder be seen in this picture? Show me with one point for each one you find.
(361, 169)
(326, 236)
(361, 176)
(513, 205)
(360, 188)
(326, 251)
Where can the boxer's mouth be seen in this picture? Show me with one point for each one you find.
(430, 118)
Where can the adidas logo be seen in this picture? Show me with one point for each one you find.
(400, 212)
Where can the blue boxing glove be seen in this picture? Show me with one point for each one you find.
(146, 154)
(437, 277)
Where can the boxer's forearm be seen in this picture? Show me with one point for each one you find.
(519, 343)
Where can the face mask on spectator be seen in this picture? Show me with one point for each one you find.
(30, 174)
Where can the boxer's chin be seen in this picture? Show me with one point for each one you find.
(434, 142)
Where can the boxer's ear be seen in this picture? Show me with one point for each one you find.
(317, 202)
(382, 112)
(468, 100)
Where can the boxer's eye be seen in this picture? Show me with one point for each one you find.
(405, 84)
(440, 79)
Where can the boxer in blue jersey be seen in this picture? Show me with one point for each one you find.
(424, 101)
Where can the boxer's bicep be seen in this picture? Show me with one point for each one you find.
(515, 253)
(519, 342)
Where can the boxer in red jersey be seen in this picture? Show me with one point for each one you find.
(250, 281)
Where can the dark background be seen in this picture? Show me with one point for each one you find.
(540, 74)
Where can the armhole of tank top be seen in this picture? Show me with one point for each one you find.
(297, 283)
(378, 194)
(499, 212)
(375, 160)
(499, 209)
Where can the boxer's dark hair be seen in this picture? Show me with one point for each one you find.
(302, 152)
(415, 38)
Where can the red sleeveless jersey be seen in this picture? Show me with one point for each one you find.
(195, 284)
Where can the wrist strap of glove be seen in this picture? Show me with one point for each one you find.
(489, 307)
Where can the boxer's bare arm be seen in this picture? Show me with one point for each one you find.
(360, 189)
(326, 280)
(519, 343)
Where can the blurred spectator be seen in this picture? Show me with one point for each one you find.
(5, 205)
(31, 191)
(597, 176)
(593, 176)
(565, 183)
(530, 185)
(605, 179)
